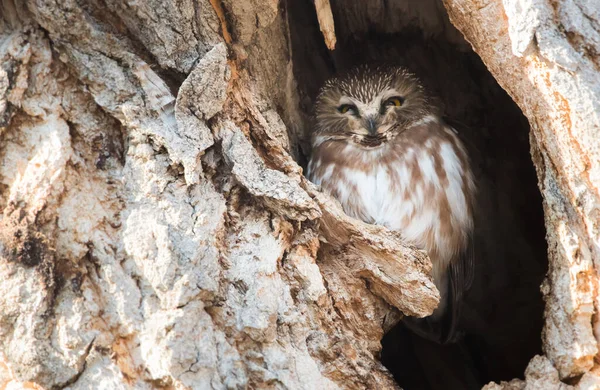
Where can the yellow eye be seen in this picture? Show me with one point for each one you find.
(394, 101)
(344, 108)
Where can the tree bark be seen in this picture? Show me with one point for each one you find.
(156, 229)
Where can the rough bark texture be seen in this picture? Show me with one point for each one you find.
(156, 231)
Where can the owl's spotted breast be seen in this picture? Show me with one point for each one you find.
(418, 183)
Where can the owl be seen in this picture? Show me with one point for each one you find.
(382, 149)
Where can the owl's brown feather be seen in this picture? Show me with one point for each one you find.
(413, 175)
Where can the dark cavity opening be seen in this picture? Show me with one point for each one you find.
(512, 248)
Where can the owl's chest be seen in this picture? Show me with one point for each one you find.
(423, 195)
(381, 194)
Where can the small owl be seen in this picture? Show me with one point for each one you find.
(381, 148)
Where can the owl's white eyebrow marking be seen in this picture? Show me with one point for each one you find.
(346, 100)
(389, 93)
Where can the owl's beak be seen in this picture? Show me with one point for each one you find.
(371, 123)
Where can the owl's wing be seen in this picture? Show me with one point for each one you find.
(446, 328)
(460, 273)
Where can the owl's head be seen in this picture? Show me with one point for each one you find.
(370, 104)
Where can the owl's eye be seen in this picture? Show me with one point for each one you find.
(395, 101)
(344, 108)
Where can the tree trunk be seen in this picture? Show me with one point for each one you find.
(157, 231)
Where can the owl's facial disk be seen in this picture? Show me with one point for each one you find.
(371, 119)
(369, 105)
